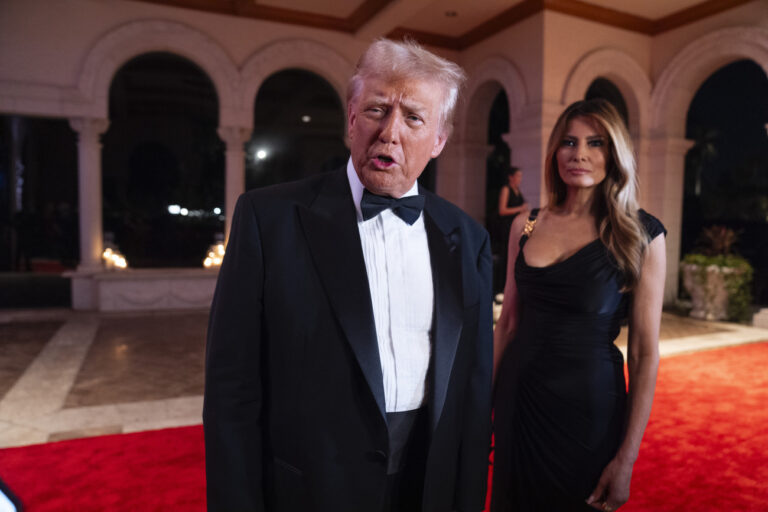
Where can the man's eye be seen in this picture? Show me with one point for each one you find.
(375, 110)
(414, 118)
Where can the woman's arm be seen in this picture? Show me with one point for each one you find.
(612, 491)
(507, 324)
(503, 208)
(503, 198)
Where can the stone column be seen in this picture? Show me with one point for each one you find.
(527, 139)
(234, 181)
(663, 196)
(643, 152)
(474, 179)
(525, 153)
(461, 176)
(448, 182)
(89, 131)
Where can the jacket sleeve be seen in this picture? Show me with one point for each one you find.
(233, 400)
(476, 437)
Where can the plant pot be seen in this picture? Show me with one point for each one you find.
(708, 289)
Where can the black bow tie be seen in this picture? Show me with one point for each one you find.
(407, 208)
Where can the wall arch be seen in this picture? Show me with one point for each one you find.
(293, 53)
(138, 37)
(682, 77)
(624, 72)
(461, 174)
(481, 91)
(670, 100)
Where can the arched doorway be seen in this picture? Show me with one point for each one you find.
(496, 166)
(163, 163)
(38, 211)
(726, 170)
(298, 129)
(604, 88)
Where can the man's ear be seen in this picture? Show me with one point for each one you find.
(351, 117)
(440, 140)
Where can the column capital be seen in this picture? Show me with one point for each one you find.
(89, 126)
(234, 136)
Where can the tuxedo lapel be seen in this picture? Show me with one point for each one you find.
(444, 240)
(330, 227)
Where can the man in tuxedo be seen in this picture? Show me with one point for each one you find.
(349, 354)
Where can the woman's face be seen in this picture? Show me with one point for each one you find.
(515, 179)
(582, 154)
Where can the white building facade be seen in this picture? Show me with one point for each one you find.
(58, 59)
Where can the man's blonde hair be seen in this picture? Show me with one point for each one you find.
(407, 59)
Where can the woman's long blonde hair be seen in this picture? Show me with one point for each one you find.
(615, 204)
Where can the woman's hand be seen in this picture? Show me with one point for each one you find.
(612, 489)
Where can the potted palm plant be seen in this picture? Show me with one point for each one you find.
(718, 280)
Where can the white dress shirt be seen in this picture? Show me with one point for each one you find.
(400, 279)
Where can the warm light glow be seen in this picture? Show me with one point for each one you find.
(217, 210)
(261, 154)
(113, 259)
(119, 261)
(174, 209)
(305, 119)
(184, 211)
(215, 256)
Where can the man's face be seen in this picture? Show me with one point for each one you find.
(394, 129)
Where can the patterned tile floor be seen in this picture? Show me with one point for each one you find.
(65, 374)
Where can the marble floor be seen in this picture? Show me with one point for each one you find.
(66, 374)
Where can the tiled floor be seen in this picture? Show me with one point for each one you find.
(65, 375)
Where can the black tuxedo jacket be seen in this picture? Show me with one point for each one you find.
(294, 402)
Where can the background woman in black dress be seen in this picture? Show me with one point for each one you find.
(567, 431)
(511, 203)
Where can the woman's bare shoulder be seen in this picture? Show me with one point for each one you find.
(518, 224)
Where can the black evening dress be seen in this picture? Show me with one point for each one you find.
(505, 223)
(560, 394)
(513, 201)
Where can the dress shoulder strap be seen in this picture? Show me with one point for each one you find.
(530, 223)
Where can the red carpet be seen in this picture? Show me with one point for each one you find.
(159, 470)
(706, 446)
(706, 449)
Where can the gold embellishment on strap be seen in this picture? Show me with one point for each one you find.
(529, 224)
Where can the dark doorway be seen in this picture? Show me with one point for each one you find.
(726, 170)
(163, 163)
(38, 194)
(38, 211)
(298, 130)
(604, 88)
(496, 167)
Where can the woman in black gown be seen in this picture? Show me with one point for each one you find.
(511, 203)
(567, 431)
